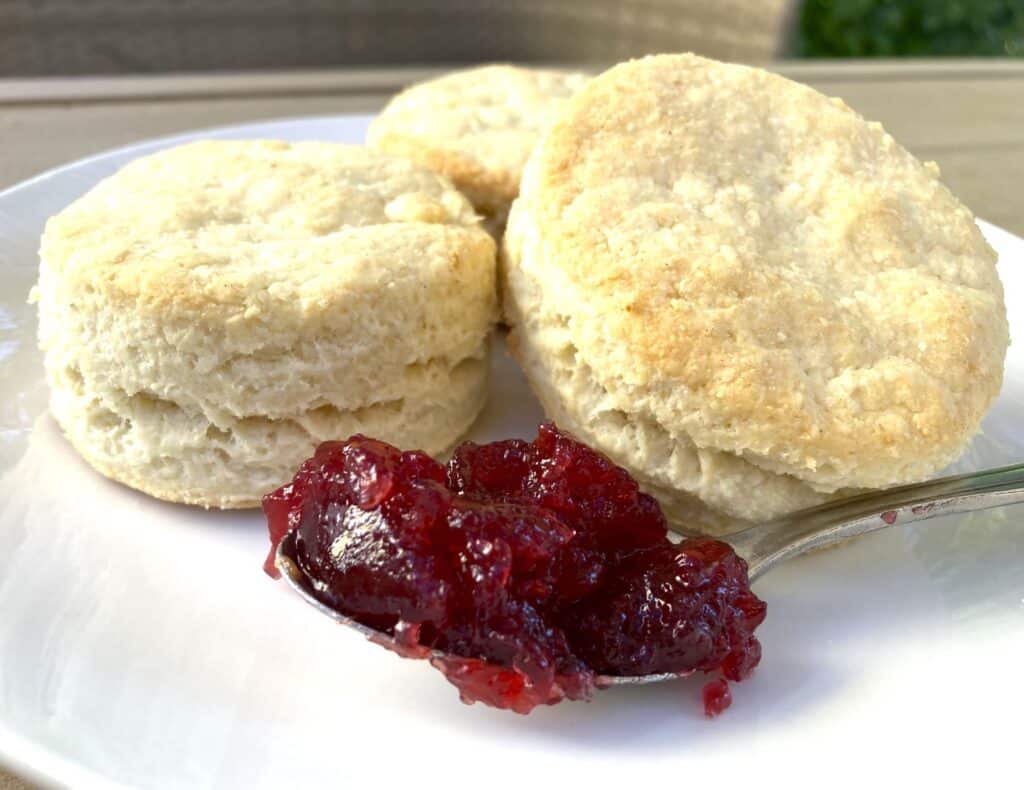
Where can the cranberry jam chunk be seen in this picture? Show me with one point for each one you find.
(536, 567)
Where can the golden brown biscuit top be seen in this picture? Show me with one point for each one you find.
(761, 268)
(244, 223)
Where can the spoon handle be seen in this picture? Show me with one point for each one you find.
(765, 545)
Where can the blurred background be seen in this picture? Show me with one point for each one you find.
(73, 37)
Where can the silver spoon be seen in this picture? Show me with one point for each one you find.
(766, 545)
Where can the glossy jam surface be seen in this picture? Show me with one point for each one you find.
(534, 567)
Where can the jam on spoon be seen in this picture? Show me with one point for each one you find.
(534, 568)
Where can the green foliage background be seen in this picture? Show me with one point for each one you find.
(886, 28)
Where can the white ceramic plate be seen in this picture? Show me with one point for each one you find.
(141, 644)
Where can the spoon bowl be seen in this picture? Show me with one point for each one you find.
(295, 579)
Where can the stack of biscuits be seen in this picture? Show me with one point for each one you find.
(735, 287)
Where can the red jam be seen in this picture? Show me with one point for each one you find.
(534, 566)
(717, 697)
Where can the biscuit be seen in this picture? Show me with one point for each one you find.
(477, 127)
(212, 312)
(766, 303)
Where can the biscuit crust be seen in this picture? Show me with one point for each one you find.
(766, 275)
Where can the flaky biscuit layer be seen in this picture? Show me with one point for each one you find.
(212, 312)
